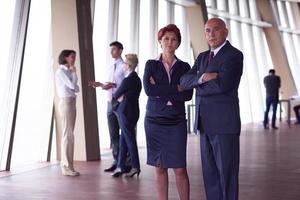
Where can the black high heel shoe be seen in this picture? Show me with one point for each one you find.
(117, 174)
(133, 171)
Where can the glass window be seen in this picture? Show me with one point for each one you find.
(36, 93)
(7, 9)
(180, 20)
(162, 14)
(124, 24)
(144, 55)
(101, 51)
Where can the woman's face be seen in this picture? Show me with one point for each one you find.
(126, 66)
(169, 42)
(71, 59)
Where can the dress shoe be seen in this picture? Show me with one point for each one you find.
(274, 127)
(70, 172)
(111, 168)
(297, 122)
(117, 173)
(127, 168)
(266, 126)
(133, 171)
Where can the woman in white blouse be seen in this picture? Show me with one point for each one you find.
(66, 87)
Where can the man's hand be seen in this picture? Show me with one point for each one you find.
(95, 84)
(209, 76)
(108, 85)
(152, 81)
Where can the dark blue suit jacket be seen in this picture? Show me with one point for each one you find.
(217, 100)
(131, 88)
(163, 91)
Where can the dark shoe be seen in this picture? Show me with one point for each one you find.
(117, 174)
(266, 127)
(297, 122)
(274, 127)
(111, 168)
(133, 171)
(127, 169)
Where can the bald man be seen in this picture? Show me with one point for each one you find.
(216, 76)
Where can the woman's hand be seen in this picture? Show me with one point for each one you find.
(72, 68)
(121, 98)
(152, 81)
(179, 88)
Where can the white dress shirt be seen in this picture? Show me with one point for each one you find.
(116, 75)
(296, 98)
(66, 82)
(216, 50)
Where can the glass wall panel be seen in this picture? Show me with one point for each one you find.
(144, 55)
(101, 50)
(36, 92)
(7, 9)
(124, 25)
(162, 13)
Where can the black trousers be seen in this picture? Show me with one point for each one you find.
(220, 156)
(274, 102)
(114, 132)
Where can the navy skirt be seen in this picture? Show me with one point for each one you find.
(166, 138)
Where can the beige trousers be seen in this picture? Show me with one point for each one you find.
(68, 113)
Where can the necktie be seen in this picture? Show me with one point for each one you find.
(210, 56)
(114, 79)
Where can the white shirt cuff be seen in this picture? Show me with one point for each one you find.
(200, 81)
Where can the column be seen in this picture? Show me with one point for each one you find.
(72, 29)
(196, 18)
(153, 45)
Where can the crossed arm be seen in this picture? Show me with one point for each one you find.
(164, 92)
(225, 80)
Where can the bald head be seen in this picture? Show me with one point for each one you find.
(215, 32)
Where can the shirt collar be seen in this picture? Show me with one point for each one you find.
(159, 58)
(118, 60)
(128, 73)
(216, 50)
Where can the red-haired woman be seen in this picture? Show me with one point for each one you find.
(165, 120)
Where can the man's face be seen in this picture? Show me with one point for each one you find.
(215, 33)
(115, 52)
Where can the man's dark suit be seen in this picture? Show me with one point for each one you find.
(128, 115)
(218, 119)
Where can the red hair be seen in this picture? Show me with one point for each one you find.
(171, 28)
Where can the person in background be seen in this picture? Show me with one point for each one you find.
(216, 76)
(296, 109)
(272, 83)
(128, 113)
(66, 87)
(165, 120)
(116, 76)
